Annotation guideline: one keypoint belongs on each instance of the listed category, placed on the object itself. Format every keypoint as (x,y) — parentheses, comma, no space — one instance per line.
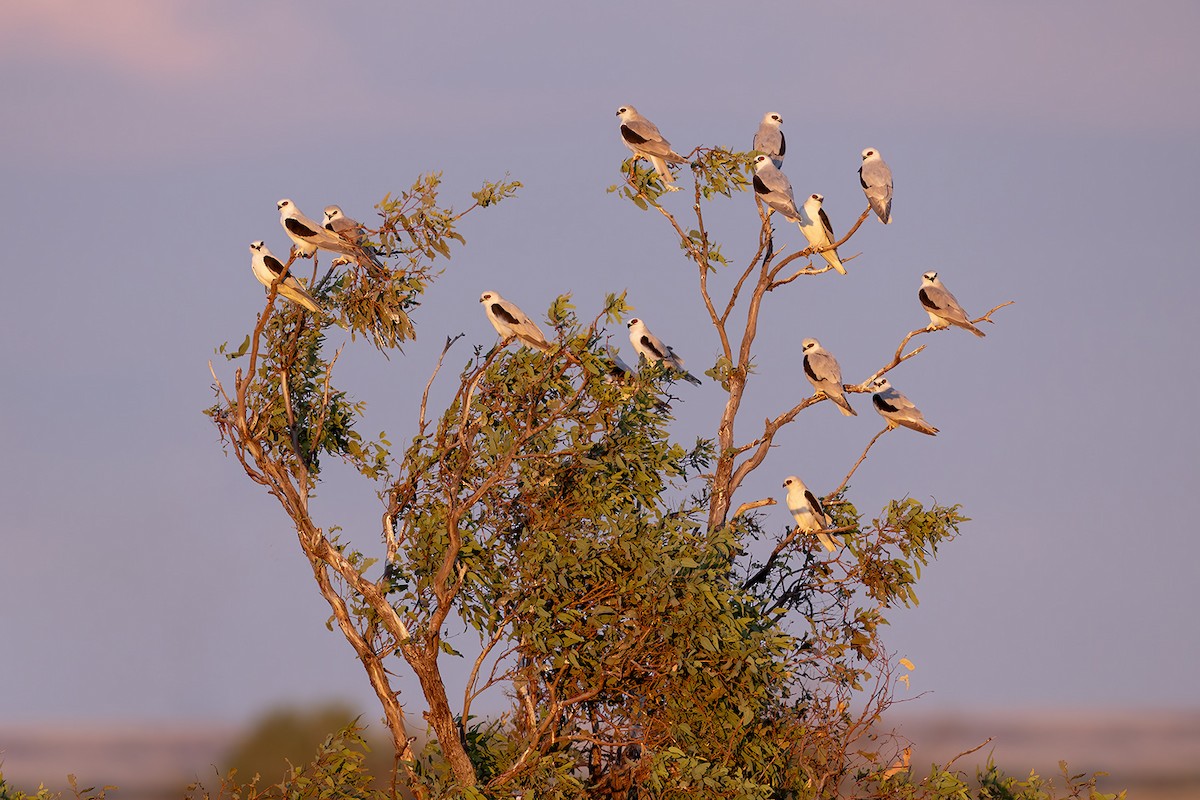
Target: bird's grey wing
(875,174)
(886,403)
(654,345)
(825,224)
(274,264)
(769,140)
(876,180)
(941,302)
(506,315)
(299,228)
(815,505)
(822,368)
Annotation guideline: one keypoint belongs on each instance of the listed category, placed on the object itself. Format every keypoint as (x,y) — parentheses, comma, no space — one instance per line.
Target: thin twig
(744,507)
(861,458)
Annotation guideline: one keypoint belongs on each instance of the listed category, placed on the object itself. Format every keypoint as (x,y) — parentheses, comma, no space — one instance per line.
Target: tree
(603,564)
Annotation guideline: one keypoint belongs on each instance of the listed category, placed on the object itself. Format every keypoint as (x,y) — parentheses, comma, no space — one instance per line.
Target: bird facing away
(653,349)
(806,510)
(896,409)
(876,179)
(267,268)
(770,140)
(824,373)
(814,224)
(618,370)
(773,188)
(942,306)
(642,137)
(309,236)
(510,321)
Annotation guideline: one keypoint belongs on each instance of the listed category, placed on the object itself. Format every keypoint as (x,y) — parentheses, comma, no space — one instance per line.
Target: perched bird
(814,224)
(350,230)
(942,306)
(773,188)
(267,268)
(806,510)
(618,370)
(876,179)
(642,137)
(652,349)
(510,321)
(824,373)
(770,140)
(310,236)
(897,409)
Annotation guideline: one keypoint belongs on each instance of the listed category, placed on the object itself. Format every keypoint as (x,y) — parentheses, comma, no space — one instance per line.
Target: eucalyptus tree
(603,564)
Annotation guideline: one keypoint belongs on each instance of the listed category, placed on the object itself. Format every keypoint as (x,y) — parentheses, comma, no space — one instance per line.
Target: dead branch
(861,458)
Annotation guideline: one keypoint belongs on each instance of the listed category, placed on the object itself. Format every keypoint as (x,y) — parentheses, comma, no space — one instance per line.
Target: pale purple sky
(1043,153)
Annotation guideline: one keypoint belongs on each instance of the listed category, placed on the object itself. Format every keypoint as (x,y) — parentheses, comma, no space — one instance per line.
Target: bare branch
(744,507)
(861,458)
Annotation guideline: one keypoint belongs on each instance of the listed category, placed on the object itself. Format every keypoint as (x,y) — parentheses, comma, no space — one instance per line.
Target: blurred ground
(1155,755)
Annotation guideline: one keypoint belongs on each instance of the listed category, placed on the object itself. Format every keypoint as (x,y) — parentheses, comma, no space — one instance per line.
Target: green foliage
(337,771)
(595,564)
(8,792)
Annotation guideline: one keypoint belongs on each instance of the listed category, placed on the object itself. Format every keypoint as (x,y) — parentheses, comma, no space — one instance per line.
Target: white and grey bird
(876,179)
(897,409)
(309,236)
(652,349)
(825,374)
(618,370)
(770,139)
(773,188)
(806,510)
(814,224)
(643,137)
(942,306)
(349,229)
(267,268)
(510,321)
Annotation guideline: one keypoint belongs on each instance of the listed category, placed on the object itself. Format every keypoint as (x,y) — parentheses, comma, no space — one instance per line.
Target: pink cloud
(144,37)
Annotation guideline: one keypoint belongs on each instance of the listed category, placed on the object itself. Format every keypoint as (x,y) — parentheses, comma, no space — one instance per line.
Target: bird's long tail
(301,297)
(974,330)
(843,405)
(826,542)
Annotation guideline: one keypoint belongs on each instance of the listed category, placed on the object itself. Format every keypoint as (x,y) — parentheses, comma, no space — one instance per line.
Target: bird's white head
(256,246)
(632,322)
(625,112)
(869,154)
(772,118)
(761,162)
(880,384)
(486,296)
(809,344)
(284,204)
(332,213)
(929,277)
(817,198)
(792,482)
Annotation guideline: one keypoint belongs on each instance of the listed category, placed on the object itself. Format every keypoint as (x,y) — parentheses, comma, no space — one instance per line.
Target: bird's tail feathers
(301,297)
(843,405)
(834,261)
(826,542)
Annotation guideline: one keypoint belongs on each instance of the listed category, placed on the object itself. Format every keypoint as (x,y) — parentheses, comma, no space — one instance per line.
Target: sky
(1043,153)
